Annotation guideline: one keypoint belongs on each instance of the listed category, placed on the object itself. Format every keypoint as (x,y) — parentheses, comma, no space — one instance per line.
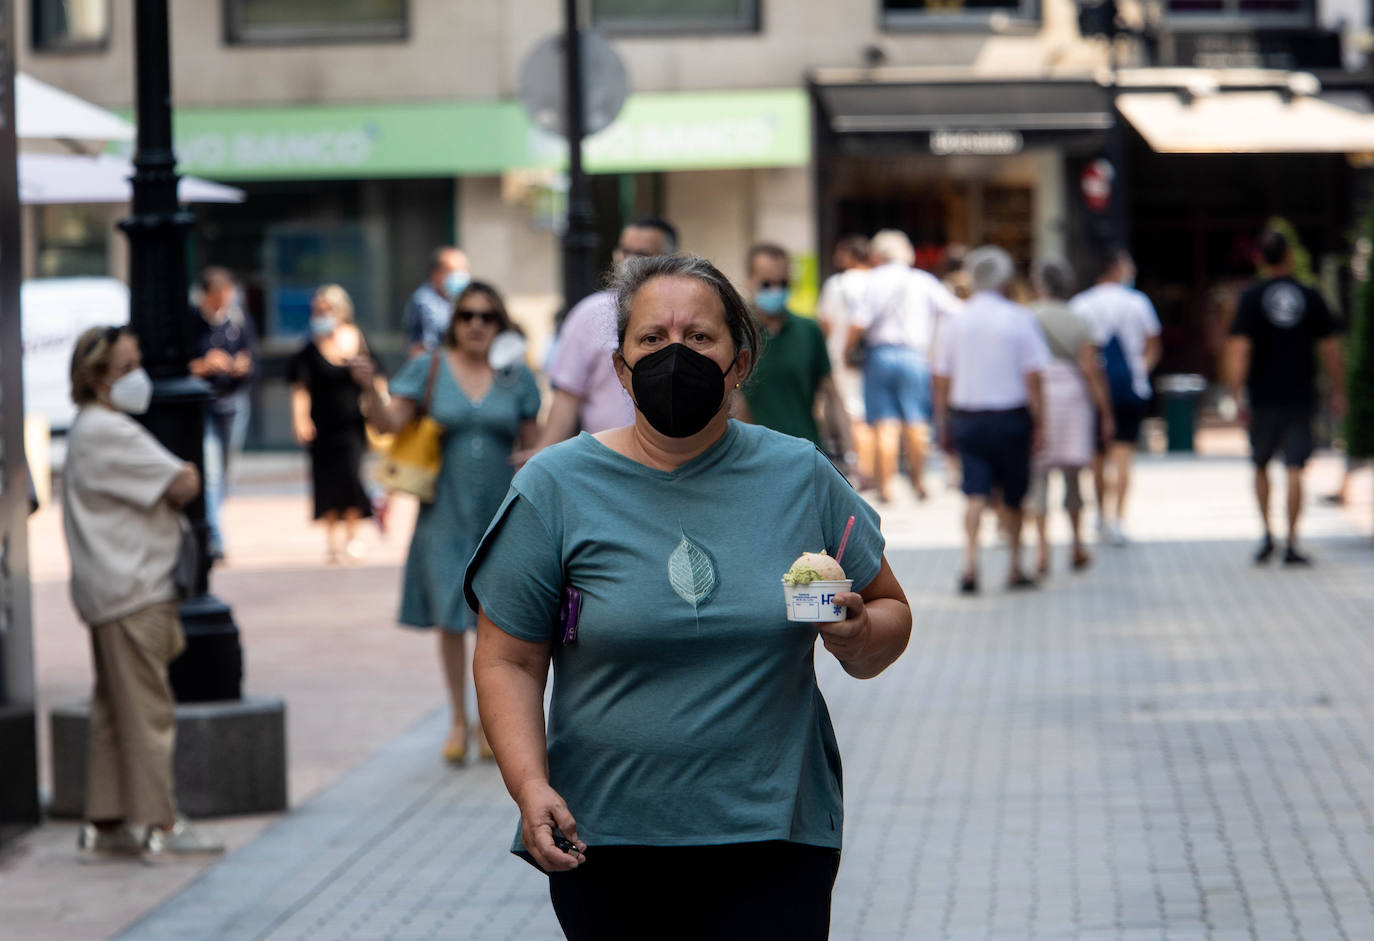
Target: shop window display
(73,241)
(669,16)
(898,14)
(288,21)
(70,25)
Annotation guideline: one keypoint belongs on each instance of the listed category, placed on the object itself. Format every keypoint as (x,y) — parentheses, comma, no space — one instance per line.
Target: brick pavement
(1174,745)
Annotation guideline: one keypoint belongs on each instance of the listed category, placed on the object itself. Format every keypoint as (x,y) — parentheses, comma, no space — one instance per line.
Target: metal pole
(212,666)
(579,241)
(18,731)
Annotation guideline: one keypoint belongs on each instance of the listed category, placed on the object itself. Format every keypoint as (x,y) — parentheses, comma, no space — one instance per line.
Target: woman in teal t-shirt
(688,784)
(486,414)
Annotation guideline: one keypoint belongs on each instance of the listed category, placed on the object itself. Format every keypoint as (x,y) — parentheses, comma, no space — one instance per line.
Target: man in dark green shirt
(793,375)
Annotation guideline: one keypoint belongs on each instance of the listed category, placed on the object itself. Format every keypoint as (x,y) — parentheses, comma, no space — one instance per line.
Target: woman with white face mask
(122,496)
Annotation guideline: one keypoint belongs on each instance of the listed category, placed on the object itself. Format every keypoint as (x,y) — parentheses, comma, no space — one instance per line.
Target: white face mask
(132,392)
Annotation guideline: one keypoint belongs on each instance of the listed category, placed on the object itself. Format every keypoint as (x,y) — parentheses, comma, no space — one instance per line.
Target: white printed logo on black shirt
(1284,304)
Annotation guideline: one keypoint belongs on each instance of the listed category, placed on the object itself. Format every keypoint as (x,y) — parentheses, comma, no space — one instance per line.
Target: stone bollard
(230,758)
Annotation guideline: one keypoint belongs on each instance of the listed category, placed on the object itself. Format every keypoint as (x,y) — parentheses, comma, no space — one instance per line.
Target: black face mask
(678,389)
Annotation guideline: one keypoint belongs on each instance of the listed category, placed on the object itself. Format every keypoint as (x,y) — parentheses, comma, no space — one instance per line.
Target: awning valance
(1251,122)
(898,104)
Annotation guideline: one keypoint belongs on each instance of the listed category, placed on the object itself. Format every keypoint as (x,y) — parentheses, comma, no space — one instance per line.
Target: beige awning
(1251,122)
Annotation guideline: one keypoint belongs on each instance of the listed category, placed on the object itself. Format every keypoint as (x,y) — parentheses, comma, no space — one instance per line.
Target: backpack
(1120,380)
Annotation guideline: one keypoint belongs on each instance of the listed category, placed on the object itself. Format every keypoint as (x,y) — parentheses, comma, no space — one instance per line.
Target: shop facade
(359,196)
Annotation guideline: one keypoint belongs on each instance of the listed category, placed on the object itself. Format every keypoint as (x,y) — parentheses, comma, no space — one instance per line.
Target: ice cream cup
(816,601)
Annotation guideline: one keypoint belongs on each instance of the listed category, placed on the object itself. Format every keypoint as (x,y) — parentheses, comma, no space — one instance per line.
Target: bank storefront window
(250,22)
(923,14)
(1233,12)
(676,16)
(70,25)
(73,241)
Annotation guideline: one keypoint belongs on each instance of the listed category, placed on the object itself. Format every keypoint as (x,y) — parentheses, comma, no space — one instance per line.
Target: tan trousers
(133,724)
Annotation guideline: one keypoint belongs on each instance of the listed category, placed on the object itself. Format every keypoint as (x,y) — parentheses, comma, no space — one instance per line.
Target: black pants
(747,891)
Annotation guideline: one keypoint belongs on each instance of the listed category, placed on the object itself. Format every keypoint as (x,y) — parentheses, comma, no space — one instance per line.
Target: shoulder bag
(412,463)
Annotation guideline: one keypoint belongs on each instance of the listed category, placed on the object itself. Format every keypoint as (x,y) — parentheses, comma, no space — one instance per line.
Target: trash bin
(1179,395)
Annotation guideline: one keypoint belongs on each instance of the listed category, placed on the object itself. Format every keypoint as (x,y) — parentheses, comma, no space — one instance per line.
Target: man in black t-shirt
(1279,329)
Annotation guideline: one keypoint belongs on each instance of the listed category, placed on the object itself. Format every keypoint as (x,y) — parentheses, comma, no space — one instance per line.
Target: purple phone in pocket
(568,612)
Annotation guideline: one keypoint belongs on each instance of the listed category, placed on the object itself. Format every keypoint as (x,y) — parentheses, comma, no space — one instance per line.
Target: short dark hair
(215,276)
(1273,247)
(660,225)
(1054,276)
(772,250)
(1108,260)
(637,272)
(498,306)
(436,257)
(855,245)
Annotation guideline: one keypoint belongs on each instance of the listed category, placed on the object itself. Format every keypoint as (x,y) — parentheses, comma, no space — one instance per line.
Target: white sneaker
(97,845)
(181,840)
(356,551)
(1116,536)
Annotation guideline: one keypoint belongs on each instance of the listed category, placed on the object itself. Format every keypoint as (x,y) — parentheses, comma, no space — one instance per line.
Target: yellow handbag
(412,463)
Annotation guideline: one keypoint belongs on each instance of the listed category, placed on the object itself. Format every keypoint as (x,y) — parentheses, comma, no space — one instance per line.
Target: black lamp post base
(19,784)
(211,667)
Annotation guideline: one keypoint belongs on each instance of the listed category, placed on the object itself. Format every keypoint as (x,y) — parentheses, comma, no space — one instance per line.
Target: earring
(737,385)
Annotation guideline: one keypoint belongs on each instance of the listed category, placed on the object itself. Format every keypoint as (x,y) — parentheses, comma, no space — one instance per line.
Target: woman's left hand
(849,639)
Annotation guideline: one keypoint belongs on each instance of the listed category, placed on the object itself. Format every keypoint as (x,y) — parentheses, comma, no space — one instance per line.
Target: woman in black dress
(327,419)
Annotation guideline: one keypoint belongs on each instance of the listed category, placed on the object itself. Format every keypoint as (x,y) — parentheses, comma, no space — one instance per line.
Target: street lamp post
(579,241)
(212,666)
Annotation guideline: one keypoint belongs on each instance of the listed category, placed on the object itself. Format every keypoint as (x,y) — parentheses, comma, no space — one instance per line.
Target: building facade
(367,132)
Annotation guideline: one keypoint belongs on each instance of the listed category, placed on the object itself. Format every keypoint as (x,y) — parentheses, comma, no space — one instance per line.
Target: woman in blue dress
(486,414)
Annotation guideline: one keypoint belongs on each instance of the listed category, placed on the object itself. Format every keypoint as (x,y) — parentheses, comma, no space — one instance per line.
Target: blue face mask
(323,326)
(771,300)
(454,282)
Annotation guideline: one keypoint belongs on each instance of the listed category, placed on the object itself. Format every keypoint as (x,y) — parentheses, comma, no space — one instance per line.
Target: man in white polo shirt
(988,402)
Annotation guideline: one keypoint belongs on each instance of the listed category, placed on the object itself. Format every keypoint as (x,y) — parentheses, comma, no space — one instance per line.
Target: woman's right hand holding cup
(542,811)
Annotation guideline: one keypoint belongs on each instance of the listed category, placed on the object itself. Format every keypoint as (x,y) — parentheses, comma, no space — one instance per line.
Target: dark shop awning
(958,114)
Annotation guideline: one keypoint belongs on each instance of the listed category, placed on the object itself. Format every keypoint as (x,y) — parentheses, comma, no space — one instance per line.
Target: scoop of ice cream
(813,567)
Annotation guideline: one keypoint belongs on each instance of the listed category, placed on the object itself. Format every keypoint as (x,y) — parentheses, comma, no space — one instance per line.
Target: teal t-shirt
(686,712)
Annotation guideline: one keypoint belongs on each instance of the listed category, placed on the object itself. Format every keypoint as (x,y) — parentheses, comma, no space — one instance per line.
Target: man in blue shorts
(988,402)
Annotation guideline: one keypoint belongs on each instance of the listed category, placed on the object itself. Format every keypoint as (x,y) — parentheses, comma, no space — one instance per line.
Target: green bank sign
(675,131)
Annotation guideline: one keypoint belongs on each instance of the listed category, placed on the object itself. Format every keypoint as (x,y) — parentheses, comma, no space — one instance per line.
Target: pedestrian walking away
(328,421)
(643,565)
(1126,328)
(893,330)
(226,358)
(586,393)
(1077,408)
(430,307)
(792,380)
(838,298)
(486,414)
(122,496)
(988,401)
(1280,328)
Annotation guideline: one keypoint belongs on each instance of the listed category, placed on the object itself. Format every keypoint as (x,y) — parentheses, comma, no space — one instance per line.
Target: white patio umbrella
(43,112)
(46,179)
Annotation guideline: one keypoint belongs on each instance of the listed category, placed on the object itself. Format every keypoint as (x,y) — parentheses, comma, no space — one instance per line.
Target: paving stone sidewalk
(1173,745)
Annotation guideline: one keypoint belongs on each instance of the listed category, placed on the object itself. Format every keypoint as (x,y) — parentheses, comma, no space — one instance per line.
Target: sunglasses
(488,317)
(769,285)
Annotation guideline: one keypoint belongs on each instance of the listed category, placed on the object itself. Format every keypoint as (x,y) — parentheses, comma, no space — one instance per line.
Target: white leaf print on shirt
(691,572)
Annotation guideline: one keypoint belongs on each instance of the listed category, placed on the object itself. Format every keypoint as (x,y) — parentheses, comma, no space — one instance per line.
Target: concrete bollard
(230,758)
